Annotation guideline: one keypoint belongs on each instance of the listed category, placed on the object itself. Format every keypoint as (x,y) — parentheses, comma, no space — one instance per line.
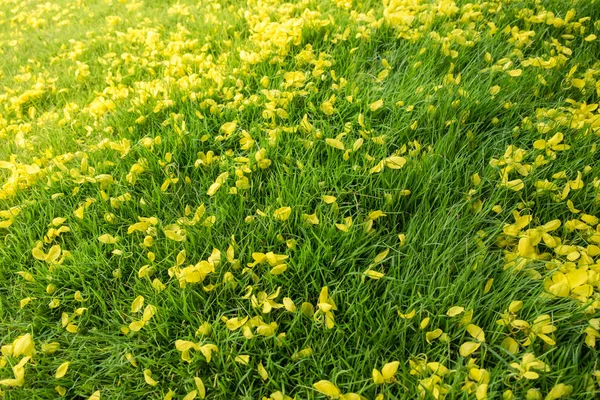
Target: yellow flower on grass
(228,128)
(573,283)
(261,159)
(558,391)
(19,374)
(311,219)
(327,106)
(129,357)
(528,366)
(494,90)
(387,373)
(175,232)
(185,347)
(22,345)
(325,308)
(243,359)
(191,395)
(149,312)
(217,184)
(282,213)
(264,375)
(345,227)
(49,257)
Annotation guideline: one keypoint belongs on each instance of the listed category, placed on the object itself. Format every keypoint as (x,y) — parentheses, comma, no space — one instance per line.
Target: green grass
(454,245)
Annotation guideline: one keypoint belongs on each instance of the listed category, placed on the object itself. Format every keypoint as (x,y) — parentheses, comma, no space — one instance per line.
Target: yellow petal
(62,370)
(476,332)
(468,348)
(328,389)
(148,378)
(282,213)
(488,285)
(375,275)
(515,306)
(137,304)
(429,336)
(510,344)
(191,395)
(558,391)
(137,325)
(38,253)
(278,270)
(381,256)
(531,375)
(50,348)
(377,377)
(23,345)
(200,386)
(454,311)
(129,357)
(395,162)
(262,372)
(577,277)
(53,254)
(107,239)
(514,72)
(376,105)
(311,219)
(408,315)
(149,312)
(335,143)
(389,370)
(559,289)
(79,212)
(173,235)
(95,395)
(329,199)
(242,359)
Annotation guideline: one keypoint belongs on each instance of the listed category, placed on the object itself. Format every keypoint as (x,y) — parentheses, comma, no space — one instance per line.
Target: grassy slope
(440,265)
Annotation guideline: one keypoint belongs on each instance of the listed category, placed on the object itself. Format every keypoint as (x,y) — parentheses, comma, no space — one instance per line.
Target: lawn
(334,199)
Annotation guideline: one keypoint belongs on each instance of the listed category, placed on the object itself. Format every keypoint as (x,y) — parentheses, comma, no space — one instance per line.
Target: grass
(94,91)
